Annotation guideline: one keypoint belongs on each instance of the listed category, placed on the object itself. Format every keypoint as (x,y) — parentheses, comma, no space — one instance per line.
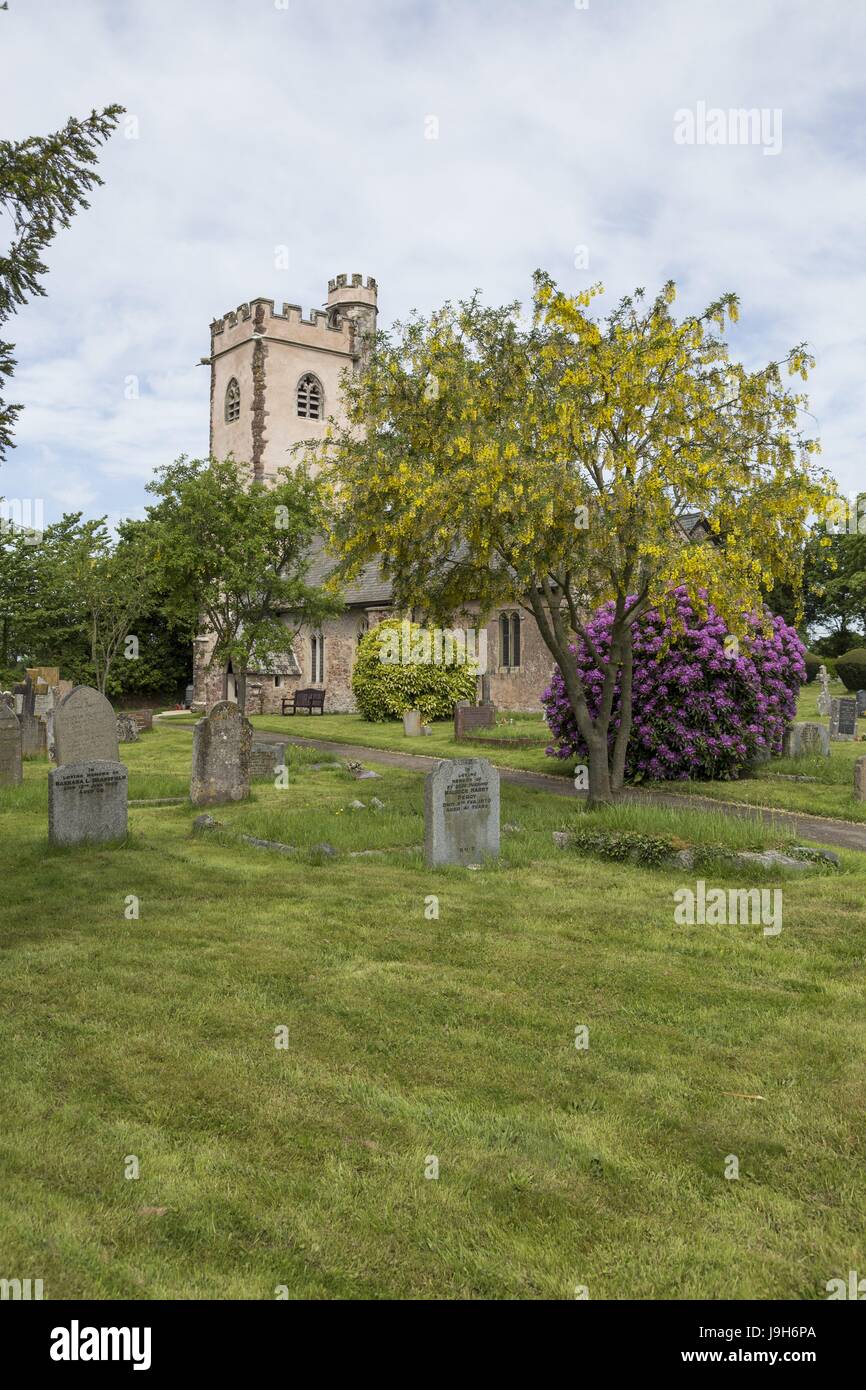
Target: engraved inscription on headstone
(10,747)
(221,747)
(461,812)
(87,803)
(843,719)
(85,728)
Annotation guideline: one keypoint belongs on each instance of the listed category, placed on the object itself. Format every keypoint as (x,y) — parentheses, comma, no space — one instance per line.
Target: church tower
(275,377)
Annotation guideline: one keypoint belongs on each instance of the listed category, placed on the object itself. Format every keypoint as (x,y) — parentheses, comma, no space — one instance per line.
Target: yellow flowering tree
(548,461)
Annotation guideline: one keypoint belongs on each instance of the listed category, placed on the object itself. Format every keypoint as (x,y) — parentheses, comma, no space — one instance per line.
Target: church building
(275,379)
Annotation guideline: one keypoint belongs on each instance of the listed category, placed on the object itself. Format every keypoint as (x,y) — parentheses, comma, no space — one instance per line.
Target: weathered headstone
(85,728)
(221,747)
(34,736)
(860,779)
(10,747)
(824,699)
(412,723)
(461,812)
(87,802)
(861,703)
(470,717)
(843,719)
(127,729)
(806,741)
(266,759)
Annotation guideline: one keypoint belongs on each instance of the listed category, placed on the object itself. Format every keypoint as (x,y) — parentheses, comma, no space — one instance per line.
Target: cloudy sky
(260,124)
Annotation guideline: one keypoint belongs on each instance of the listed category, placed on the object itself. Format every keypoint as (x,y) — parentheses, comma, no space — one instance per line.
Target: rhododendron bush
(698,710)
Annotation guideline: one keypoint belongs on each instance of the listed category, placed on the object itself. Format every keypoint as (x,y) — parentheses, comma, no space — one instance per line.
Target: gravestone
(860,779)
(266,760)
(221,747)
(10,748)
(7,698)
(85,728)
(824,700)
(87,802)
(461,812)
(43,699)
(34,736)
(469,717)
(843,719)
(806,741)
(412,723)
(127,729)
(861,703)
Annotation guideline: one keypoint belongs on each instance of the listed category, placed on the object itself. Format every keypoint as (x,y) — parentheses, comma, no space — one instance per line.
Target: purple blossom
(696,712)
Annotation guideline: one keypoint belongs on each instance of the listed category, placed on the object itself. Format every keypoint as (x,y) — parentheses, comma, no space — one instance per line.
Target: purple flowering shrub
(696,713)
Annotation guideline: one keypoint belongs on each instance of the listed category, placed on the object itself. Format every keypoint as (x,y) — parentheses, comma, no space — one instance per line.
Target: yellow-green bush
(385,689)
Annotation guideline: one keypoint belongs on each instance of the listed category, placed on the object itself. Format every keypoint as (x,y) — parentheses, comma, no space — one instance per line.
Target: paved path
(842,834)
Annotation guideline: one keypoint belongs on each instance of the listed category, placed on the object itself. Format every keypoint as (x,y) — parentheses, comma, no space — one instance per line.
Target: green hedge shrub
(386,689)
(851,669)
(813,666)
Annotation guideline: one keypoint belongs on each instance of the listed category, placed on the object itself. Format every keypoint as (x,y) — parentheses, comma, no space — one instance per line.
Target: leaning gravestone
(806,741)
(10,747)
(85,728)
(266,760)
(860,779)
(461,812)
(221,747)
(843,719)
(87,803)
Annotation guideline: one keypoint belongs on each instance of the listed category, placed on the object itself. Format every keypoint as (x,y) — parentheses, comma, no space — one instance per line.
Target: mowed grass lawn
(829,792)
(411,1037)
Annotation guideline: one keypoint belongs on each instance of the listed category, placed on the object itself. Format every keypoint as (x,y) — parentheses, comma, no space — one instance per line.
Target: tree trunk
(600,789)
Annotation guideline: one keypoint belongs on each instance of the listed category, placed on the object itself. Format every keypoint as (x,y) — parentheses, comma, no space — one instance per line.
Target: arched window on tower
(233,401)
(311,398)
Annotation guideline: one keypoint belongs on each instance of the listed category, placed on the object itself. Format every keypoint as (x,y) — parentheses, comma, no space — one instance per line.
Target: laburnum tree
(232,556)
(549,462)
(44,181)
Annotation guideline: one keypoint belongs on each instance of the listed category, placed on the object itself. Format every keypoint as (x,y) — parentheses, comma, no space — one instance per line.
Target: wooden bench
(307,700)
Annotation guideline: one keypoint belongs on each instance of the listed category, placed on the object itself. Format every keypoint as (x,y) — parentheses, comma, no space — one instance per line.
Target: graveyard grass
(829,792)
(410,1037)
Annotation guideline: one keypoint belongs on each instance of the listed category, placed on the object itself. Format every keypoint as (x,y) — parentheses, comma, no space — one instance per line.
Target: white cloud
(260,127)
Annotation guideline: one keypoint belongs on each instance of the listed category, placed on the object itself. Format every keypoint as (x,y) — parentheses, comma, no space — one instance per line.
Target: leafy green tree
(233,555)
(44,181)
(548,464)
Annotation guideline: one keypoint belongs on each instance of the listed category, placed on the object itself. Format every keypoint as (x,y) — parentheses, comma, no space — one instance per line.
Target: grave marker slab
(461,812)
(85,728)
(221,748)
(861,703)
(10,747)
(860,779)
(469,717)
(127,729)
(34,736)
(806,741)
(87,803)
(843,719)
(265,760)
